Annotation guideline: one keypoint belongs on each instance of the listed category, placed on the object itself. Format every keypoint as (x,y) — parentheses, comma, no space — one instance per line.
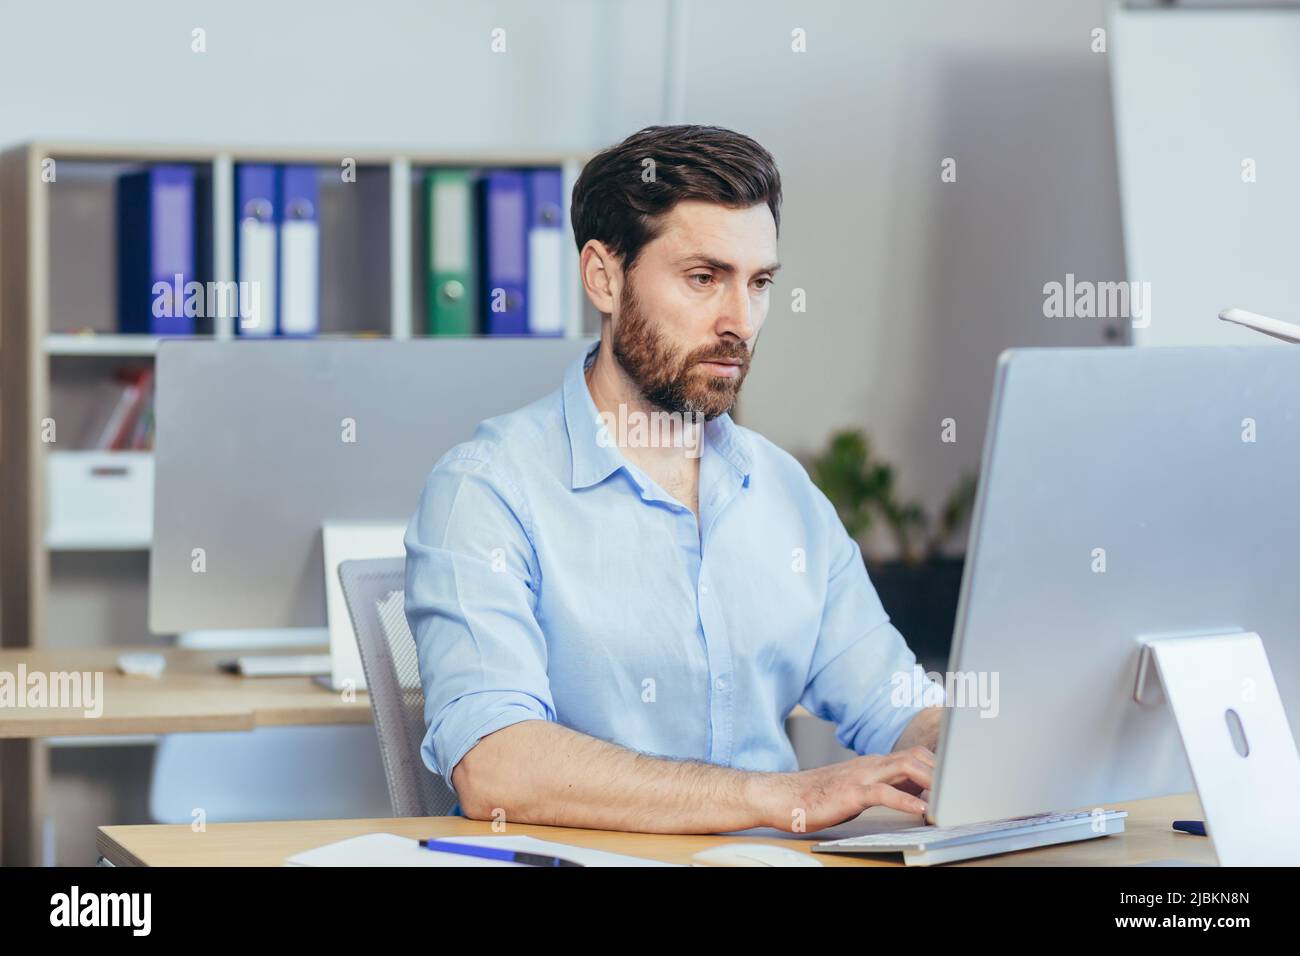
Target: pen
(1195,827)
(492,853)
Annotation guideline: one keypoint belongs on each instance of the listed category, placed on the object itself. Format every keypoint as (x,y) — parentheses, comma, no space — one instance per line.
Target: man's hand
(813,799)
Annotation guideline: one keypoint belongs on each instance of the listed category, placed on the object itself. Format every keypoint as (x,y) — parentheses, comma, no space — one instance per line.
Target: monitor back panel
(258,443)
(1124,493)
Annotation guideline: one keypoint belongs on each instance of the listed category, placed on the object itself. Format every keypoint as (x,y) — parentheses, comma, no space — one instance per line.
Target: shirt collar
(594,460)
(730,442)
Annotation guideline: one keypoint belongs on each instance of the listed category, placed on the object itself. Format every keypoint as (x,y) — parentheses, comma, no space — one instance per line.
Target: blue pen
(492,853)
(1194,827)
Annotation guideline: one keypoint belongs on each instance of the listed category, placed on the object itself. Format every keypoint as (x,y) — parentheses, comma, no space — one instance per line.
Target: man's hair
(619,202)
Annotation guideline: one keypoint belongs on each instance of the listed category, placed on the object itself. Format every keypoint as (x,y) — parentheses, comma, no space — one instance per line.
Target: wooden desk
(1147,837)
(191,696)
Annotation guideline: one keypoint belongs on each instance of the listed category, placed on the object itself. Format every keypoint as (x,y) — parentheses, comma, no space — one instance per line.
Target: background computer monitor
(251,457)
(1177,467)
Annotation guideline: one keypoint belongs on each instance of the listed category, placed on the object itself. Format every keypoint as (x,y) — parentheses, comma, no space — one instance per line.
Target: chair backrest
(374,589)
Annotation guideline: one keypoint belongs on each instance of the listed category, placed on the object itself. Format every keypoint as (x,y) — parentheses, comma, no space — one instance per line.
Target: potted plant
(918,584)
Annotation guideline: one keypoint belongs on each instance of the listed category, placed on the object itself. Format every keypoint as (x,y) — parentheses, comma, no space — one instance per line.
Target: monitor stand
(1238,743)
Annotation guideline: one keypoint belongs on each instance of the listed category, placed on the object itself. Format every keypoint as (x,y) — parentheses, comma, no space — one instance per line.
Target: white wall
(380,73)
(1196,93)
(913,285)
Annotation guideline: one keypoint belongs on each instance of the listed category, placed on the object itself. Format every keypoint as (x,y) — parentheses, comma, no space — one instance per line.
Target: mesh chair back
(374,589)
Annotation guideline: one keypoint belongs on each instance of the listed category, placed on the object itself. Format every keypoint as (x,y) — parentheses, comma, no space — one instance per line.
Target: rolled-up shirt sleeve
(471,603)
(863,678)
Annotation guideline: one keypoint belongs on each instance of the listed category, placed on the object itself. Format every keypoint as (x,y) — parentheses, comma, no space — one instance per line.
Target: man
(617,593)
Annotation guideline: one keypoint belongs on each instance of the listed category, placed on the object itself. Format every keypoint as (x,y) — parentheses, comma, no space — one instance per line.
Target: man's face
(691,309)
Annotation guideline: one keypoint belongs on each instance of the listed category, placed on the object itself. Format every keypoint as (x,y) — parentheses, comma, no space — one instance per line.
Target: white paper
(388,849)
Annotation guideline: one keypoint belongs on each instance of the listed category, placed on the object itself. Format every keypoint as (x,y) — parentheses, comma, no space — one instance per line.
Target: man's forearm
(922,730)
(541,772)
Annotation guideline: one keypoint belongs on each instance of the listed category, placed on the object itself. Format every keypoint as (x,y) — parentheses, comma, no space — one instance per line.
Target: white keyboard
(925,845)
(279,665)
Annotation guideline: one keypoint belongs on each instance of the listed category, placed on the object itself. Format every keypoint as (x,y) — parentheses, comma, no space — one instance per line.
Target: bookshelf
(69,585)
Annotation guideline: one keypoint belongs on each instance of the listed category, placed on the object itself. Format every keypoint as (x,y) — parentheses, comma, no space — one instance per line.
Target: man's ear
(602,275)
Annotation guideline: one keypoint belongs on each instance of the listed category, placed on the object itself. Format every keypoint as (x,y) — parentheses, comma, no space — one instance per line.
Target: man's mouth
(726,367)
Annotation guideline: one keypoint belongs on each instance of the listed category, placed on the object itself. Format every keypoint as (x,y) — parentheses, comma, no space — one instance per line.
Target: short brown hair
(614,203)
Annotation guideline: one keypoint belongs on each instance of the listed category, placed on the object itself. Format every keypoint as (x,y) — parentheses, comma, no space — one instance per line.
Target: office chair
(375,592)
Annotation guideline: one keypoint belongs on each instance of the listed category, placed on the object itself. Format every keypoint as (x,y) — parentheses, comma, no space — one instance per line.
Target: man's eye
(763,284)
(703,275)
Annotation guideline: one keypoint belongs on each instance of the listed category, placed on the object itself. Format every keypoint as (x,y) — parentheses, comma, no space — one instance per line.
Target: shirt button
(704,589)
(720,684)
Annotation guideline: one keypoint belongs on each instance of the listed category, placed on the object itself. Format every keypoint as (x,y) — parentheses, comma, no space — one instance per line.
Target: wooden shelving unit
(44,352)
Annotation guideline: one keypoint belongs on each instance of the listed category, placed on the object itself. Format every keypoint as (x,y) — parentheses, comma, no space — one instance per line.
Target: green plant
(861,488)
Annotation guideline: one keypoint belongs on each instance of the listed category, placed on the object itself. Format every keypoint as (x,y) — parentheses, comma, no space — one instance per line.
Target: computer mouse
(142,664)
(753,854)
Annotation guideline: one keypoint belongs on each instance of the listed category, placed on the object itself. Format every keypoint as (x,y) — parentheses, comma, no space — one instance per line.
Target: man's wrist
(769,797)
(922,730)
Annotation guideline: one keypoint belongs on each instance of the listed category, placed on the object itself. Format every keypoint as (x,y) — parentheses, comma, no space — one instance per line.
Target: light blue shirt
(550,578)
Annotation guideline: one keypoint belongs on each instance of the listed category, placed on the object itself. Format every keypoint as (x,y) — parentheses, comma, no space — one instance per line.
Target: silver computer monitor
(1125,494)
(252,457)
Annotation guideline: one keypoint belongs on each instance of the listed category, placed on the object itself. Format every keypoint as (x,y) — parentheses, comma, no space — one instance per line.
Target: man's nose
(735,316)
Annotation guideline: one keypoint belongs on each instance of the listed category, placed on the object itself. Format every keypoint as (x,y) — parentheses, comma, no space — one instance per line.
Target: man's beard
(667,379)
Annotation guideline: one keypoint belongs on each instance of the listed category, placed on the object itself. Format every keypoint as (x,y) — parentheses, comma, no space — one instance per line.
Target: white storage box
(99,500)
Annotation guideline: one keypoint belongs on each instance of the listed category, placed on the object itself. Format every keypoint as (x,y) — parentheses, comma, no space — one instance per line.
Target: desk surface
(1147,837)
(192,695)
